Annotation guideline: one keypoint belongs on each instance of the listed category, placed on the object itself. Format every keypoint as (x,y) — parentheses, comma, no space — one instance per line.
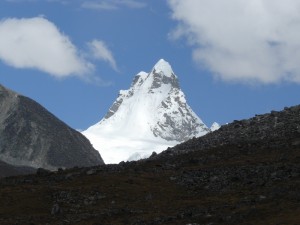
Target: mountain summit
(151,115)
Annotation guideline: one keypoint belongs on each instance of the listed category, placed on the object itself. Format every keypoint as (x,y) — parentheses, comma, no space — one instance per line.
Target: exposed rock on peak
(163,74)
(163,67)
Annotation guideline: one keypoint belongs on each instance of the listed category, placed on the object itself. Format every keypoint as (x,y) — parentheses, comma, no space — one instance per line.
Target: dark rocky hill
(272,130)
(32,136)
(9,170)
(246,173)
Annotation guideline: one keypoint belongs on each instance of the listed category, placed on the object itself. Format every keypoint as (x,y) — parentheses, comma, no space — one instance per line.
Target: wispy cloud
(17,1)
(95,4)
(247,41)
(64,2)
(113,4)
(99,5)
(59,1)
(100,51)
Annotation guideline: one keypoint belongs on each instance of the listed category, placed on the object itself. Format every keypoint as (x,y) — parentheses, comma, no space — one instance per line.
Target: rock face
(32,136)
(151,115)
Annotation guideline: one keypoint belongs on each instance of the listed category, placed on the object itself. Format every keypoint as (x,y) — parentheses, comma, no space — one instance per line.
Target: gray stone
(91,172)
(32,136)
(56,209)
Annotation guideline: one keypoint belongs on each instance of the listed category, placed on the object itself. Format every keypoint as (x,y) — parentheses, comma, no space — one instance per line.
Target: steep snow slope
(151,115)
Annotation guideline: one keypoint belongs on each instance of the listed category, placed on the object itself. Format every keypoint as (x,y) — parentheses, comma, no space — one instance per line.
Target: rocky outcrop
(277,129)
(32,136)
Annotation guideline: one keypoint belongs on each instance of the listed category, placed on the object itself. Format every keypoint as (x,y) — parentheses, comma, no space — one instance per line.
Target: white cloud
(37,43)
(242,40)
(100,51)
(113,4)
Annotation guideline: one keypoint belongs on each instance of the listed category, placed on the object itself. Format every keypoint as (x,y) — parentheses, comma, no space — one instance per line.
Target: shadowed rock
(32,136)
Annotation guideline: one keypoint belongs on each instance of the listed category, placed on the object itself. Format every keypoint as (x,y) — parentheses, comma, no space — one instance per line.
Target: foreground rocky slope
(278,129)
(32,136)
(250,179)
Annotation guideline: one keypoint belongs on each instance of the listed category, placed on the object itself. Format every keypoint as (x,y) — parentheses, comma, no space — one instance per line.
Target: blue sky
(234,59)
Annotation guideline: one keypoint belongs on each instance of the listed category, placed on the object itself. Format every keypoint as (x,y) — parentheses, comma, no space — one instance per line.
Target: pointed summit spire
(164,67)
(162,73)
(151,115)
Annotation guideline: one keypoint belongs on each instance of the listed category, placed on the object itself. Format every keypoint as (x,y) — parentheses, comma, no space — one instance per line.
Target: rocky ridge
(278,129)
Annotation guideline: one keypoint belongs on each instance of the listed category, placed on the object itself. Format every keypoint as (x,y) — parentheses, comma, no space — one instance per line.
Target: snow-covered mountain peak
(151,115)
(164,68)
(161,77)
